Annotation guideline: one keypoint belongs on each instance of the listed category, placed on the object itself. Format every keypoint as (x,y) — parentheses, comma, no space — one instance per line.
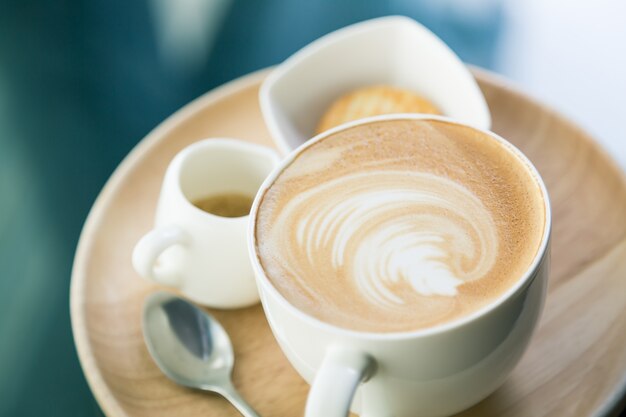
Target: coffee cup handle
(151,246)
(336,382)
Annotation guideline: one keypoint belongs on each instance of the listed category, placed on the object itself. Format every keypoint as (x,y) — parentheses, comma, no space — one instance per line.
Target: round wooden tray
(576,364)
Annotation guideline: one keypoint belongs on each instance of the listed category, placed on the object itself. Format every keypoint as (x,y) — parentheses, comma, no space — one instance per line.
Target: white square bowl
(392,50)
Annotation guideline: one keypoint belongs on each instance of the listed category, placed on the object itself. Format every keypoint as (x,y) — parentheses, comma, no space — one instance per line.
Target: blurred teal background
(81,82)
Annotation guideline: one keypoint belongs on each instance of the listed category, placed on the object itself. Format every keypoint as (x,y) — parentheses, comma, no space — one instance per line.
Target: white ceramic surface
(201,254)
(432,372)
(391,50)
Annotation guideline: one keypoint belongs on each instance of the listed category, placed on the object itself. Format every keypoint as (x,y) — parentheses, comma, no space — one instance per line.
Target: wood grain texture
(575,366)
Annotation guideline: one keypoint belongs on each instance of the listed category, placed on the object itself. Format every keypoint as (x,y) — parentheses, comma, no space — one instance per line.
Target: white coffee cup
(202,254)
(431,372)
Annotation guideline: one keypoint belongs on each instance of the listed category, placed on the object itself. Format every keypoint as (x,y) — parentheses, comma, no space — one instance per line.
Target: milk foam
(379,229)
(388,226)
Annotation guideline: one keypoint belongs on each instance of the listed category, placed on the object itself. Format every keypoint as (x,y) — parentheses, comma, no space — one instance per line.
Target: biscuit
(373,101)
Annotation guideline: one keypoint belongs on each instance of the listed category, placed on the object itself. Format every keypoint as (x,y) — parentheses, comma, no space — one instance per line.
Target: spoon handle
(230,393)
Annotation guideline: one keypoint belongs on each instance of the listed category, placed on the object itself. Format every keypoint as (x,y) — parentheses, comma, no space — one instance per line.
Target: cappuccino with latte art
(399,225)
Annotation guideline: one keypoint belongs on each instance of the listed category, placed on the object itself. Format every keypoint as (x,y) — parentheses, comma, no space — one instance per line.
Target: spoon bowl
(190,347)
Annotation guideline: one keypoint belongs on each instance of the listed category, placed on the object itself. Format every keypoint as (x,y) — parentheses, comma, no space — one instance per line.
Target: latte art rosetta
(399,225)
(385,227)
